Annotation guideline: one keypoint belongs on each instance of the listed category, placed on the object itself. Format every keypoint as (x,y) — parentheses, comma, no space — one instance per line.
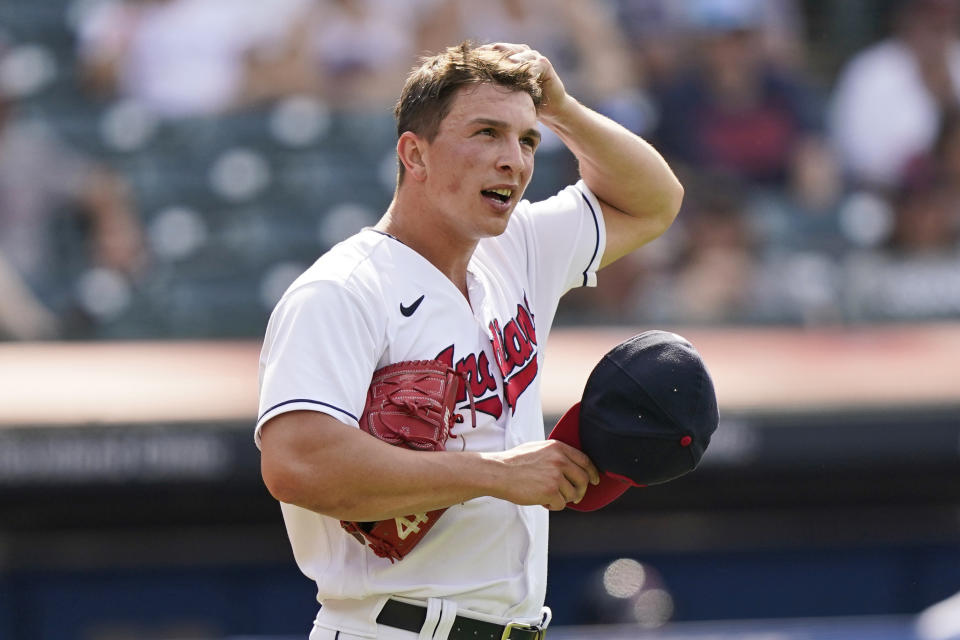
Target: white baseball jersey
(372,301)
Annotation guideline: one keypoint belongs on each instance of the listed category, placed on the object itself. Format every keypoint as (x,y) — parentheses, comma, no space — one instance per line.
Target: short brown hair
(430,88)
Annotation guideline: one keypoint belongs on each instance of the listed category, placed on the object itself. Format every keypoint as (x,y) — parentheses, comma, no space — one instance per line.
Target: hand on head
(554,93)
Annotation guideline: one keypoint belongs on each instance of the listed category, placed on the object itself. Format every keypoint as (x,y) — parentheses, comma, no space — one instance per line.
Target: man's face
(481,159)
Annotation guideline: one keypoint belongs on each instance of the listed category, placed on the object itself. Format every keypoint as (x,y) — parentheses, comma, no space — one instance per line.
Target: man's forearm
(313,461)
(621,168)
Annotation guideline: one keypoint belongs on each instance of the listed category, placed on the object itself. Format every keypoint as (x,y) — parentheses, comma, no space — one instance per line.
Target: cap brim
(599,495)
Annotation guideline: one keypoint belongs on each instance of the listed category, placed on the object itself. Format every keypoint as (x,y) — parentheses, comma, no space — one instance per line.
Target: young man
(459,270)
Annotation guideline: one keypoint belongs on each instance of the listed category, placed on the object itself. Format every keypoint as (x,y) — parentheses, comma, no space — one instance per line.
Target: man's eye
(530,142)
(487,132)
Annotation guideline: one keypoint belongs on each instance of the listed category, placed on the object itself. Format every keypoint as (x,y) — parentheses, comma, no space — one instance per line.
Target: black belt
(410,617)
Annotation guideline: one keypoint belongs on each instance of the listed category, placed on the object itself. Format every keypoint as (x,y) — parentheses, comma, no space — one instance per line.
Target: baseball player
(459,271)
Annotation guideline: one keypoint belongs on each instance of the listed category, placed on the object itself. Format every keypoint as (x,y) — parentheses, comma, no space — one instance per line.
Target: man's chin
(498,225)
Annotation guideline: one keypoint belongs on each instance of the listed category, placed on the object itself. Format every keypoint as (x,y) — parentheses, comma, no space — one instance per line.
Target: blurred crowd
(168,166)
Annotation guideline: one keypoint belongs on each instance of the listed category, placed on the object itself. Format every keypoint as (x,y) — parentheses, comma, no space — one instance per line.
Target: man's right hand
(546,472)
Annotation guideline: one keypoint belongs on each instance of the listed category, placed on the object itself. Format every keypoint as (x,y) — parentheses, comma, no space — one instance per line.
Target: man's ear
(410,150)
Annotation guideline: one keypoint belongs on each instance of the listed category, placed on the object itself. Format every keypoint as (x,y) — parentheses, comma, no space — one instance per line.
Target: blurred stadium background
(168,166)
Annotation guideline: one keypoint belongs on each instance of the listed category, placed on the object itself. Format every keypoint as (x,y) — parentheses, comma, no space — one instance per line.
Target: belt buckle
(545,616)
(510,626)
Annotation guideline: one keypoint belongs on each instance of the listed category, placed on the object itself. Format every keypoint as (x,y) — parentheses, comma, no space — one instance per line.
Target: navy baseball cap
(646,415)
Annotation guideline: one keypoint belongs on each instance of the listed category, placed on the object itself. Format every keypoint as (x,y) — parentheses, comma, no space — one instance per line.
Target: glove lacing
(421,407)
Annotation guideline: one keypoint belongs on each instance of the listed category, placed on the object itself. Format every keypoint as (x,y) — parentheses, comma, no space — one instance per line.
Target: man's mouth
(502,195)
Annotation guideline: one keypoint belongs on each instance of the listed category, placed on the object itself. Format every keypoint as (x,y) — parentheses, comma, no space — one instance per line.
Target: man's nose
(511,158)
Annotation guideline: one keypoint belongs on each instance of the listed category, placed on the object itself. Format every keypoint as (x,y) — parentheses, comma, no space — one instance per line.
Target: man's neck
(414,224)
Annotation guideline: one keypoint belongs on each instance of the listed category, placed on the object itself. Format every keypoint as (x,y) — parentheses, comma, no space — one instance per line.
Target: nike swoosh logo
(408,311)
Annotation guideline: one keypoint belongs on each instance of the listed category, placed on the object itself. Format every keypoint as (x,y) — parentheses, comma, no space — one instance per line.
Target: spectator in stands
(941,162)
(890,98)
(183,58)
(40,178)
(927,219)
(927,222)
(713,272)
(927,211)
(733,110)
(917,274)
(714,278)
(657,38)
(805,216)
(659,34)
(22,315)
(354,54)
(742,111)
(581,38)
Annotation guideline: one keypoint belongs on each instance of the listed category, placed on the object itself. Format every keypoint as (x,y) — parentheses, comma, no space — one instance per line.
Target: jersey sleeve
(565,240)
(321,347)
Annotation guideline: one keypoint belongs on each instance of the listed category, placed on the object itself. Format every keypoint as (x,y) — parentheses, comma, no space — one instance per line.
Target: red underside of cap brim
(597,496)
